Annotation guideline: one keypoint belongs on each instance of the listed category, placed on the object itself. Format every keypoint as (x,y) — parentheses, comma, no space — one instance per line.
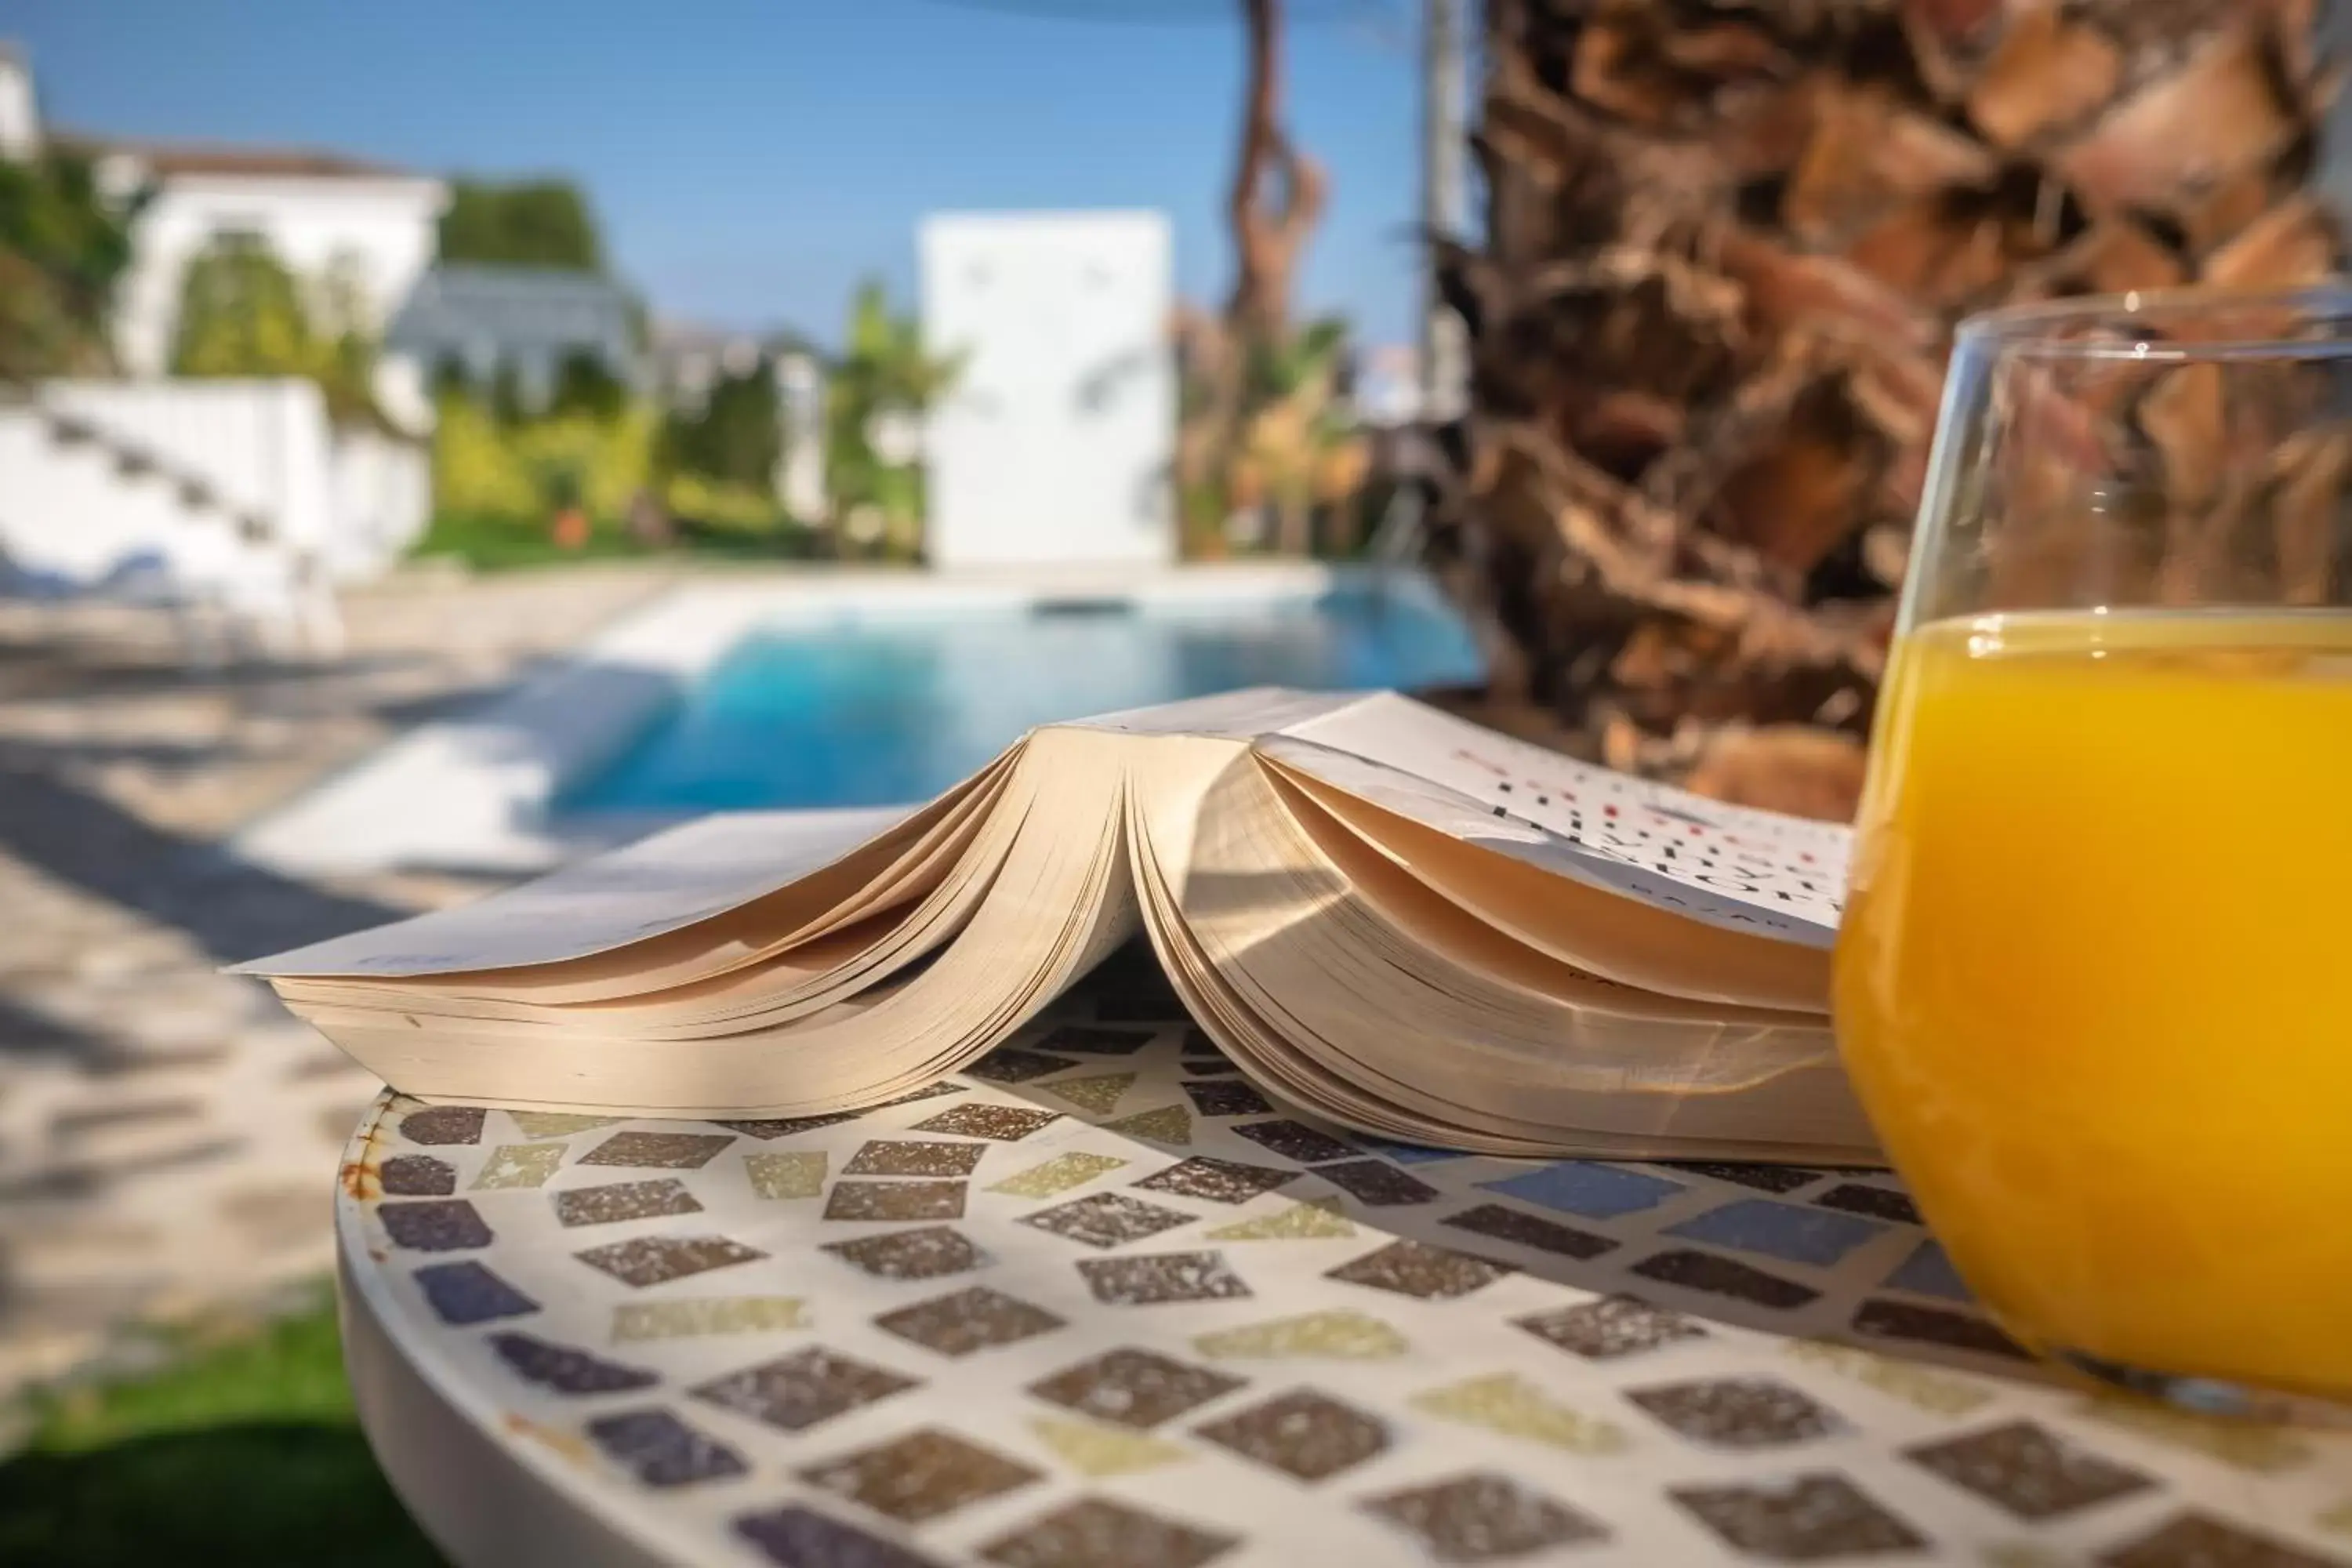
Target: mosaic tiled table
(1100,1303)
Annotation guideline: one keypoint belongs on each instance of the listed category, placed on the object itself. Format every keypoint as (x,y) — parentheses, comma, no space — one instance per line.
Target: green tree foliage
(583,384)
(242,313)
(63,247)
(884,378)
(534,223)
(735,438)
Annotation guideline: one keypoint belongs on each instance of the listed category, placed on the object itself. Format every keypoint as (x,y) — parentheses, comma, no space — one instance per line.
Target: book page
(1730,866)
(674,879)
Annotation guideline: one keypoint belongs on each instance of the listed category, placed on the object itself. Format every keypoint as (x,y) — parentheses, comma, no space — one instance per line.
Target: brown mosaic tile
(923,1254)
(661,1450)
(1217,1181)
(797,1537)
(970,1319)
(1087,1039)
(1736,1412)
(2198,1541)
(1506,1224)
(624,1200)
(922,1476)
(1297,1140)
(663,1150)
(1237,1098)
(418,1176)
(1160,1277)
(1377,1183)
(1610,1327)
(1197,1043)
(444,1124)
(908,1157)
(772,1127)
(1483,1518)
(1134,1387)
(1418,1269)
(797,1391)
(1764,1178)
(1302,1434)
(2030,1472)
(446,1224)
(1095,1532)
(1722,1277)
(1011,1064)
(1005,1124)
(564,1370)
(1208,1066)
(1805,1519)
(1107,1219)
(1934,1326)
(898,1201)
(653,1259)
(1878,1203)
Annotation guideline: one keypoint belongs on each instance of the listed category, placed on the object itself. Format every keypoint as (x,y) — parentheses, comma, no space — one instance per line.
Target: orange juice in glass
(2093,980)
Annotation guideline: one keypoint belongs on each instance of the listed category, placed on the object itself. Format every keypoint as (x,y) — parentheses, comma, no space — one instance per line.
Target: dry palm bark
(1725,247)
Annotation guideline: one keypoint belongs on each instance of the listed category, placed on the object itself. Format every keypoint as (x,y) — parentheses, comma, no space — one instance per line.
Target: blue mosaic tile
(1819,1236)
(1582,1187)
(461,1293)
(1404,1153)
(1928,1272)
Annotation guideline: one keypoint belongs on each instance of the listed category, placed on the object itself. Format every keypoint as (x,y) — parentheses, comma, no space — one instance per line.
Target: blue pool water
(869,710)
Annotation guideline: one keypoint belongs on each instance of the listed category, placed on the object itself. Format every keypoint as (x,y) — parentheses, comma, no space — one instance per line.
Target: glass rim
(2036,328)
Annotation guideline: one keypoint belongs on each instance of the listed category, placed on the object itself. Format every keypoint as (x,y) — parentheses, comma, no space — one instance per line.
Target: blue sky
(750,159)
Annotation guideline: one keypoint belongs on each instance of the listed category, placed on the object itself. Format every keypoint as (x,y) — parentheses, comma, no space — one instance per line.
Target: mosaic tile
(1723,1277)
(1107,1219)
(1160,1278)
(537,1124)
(797,1537)
(663,1150)
(1482,1517)
(448,1224)
(1611,1327)
(770,1127)
(1095,1532)
(1510,1405)
(1582,1187)
(1236,1098)
(1506,1223)
(1921,1387)
(1377,1183)
(1764,1178)
(1786,1231)
(970,1320)
(1099,1094)
(1736,1412)
(1314,1219)
(1335,1335)
(895,1201)
(520,1165)
(1406,1154)
(624,1200)
(775,1173)
(444,1124)
(1169,1124)
(1216,1181)
(1878,1203)
(1096,1451)
(1805,1519)
(2198,1541)
(1197,1042)
(907,1157)
(922,1476)
(1297,1140)
(1932,1326)
(1134,1387)
(661,1450)
(1005,1124)
(469,1292)
(2258,1450)
(923,1254)
(798,1390)
(1418,1269)
(1209,1066)
(1303,1434)
(564,1370)
(1058,1174)
(1927,1272)
(1087,1040)
(1011,1064)
(656,1259)
(417,1176)
(695,1317)
(2027,1470)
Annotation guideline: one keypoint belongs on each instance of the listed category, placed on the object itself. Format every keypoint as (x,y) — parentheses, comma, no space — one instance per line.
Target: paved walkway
(167,1133)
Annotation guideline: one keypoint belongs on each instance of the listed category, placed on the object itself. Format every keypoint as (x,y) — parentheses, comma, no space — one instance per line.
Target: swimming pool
(887,701)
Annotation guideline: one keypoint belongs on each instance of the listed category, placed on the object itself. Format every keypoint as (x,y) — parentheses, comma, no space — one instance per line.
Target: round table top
(1100,1301)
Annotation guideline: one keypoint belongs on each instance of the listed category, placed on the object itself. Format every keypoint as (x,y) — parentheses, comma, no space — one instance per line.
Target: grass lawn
(491,543)
(246,1451)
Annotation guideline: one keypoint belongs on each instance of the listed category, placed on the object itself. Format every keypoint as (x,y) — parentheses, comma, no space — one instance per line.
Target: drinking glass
(2093,982)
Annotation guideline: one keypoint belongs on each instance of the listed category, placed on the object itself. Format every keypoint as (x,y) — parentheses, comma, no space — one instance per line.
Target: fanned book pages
(1395,920)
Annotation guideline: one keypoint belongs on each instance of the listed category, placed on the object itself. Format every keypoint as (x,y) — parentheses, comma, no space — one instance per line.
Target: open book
(1400,921)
